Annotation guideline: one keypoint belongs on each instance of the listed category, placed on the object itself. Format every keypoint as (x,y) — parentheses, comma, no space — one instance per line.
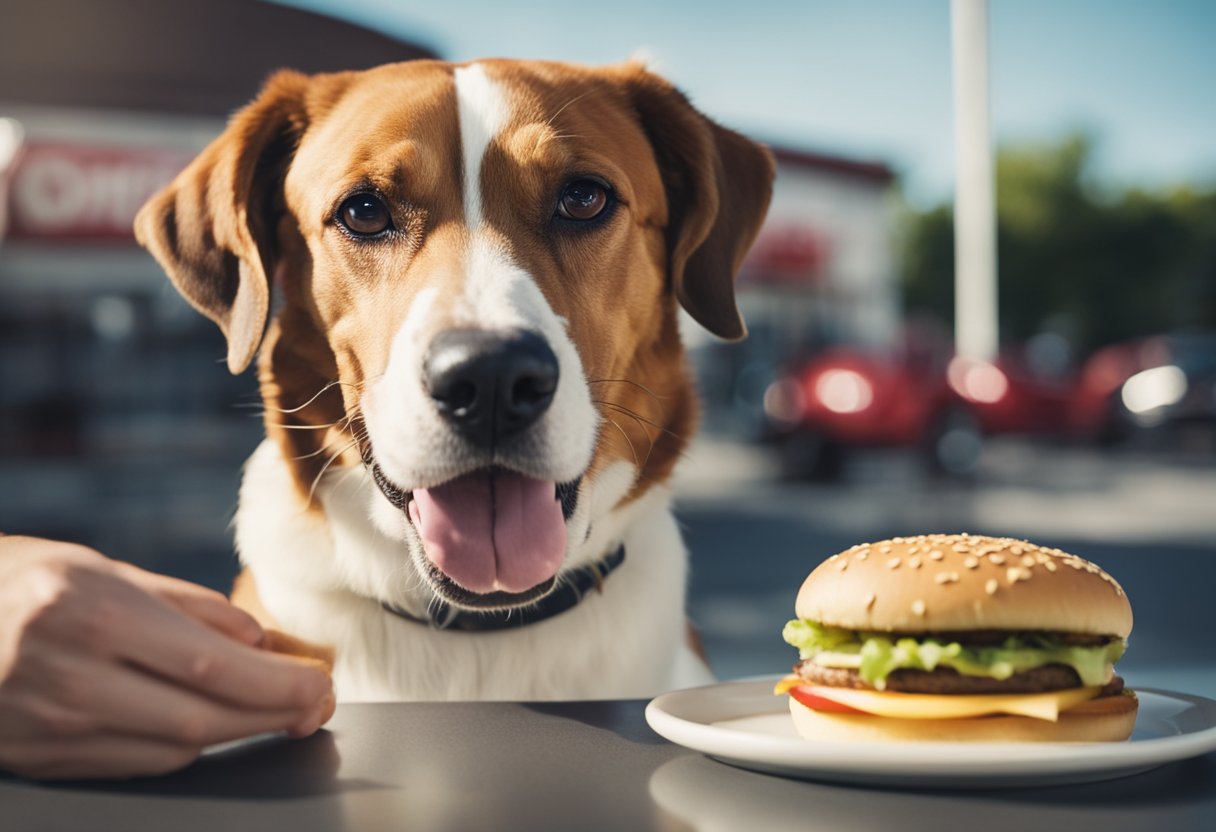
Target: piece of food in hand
(959,638)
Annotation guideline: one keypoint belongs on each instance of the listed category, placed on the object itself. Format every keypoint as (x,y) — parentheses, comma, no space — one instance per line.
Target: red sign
(73,194)
(787,253)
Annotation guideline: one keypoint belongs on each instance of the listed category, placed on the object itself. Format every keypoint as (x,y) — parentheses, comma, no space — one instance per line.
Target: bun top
(957,582)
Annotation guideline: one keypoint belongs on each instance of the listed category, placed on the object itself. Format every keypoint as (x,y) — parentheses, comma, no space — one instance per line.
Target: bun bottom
(1109,719)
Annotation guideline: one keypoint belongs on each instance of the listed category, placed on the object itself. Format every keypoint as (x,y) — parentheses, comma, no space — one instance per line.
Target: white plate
(743,724)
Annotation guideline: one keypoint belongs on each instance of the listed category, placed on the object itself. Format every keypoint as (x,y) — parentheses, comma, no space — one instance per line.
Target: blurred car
(1148,384)
(849,398)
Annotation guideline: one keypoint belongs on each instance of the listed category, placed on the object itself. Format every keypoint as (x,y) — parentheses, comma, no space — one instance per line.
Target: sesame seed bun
(1108,719)
(961,582)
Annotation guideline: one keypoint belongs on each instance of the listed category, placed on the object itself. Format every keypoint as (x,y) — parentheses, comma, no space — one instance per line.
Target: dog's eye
(365,215)
(583,199)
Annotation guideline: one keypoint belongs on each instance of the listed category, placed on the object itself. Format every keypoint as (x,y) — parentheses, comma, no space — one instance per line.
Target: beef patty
(948,680)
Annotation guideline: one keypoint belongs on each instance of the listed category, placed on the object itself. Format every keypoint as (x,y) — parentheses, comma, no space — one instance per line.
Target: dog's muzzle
(491,536)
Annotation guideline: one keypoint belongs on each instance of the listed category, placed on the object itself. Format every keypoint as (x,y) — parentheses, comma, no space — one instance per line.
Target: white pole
(975,301)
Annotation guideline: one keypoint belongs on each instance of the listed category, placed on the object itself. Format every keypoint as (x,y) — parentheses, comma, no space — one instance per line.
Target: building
(119,427)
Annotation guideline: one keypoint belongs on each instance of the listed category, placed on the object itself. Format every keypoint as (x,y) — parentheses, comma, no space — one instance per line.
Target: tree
(1100,267)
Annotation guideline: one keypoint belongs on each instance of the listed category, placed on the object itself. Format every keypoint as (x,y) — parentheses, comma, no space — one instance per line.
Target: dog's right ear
(213,228)
(718,185)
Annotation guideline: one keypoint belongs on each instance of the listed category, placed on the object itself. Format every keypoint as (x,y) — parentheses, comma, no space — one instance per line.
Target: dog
(462,284)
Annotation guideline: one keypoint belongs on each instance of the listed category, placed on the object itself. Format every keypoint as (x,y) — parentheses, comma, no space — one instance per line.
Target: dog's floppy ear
(718,187)
(213,228)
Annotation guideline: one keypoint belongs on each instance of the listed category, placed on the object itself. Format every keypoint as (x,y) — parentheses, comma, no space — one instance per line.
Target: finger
(205,605)
(175,646)
(125,700)
(104,755)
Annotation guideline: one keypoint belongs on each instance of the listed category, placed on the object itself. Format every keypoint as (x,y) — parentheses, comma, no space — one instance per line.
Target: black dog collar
(574,587)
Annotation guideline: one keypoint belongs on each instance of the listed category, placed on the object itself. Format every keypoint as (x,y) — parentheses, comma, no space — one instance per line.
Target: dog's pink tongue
(492,532)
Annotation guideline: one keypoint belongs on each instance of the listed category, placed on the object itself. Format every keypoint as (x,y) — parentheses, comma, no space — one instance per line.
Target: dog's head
(479,268)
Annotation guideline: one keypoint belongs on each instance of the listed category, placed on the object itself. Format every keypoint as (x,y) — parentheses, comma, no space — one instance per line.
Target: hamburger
(959,637)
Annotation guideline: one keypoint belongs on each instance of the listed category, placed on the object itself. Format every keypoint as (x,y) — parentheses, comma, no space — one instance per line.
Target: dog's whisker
(327,446)
(315,396)
(556,137)
(641,423)
(346,478)
(641,387)
(562,108)
(637,417)
(335,425)
(628,441)
(317,479)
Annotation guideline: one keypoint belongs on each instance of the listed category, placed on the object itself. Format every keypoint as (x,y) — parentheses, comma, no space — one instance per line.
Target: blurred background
(844,417)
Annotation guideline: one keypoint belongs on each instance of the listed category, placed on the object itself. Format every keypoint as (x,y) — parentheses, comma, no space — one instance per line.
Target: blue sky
(871,78)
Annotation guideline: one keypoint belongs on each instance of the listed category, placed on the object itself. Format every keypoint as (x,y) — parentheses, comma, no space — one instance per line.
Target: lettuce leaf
(881,654)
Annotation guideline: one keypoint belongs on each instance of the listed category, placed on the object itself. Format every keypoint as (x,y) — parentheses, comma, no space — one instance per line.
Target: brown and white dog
(474,382)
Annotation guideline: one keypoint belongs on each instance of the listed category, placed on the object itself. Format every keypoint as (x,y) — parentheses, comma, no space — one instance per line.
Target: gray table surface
(581,766)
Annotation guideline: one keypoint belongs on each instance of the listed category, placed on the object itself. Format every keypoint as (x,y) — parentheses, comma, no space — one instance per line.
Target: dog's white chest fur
(323,577)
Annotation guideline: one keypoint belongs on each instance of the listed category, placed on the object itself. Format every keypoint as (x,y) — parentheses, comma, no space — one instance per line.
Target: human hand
(107,670)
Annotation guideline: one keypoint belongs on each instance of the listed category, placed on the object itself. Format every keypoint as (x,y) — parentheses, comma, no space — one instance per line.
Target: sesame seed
(961,548)
(1027,560)
(843,565)
(886,550)
(1015,550)
(1017,573)
(945,577)
(862,555)
(869,600)
(991,586)
(914,562)
(971,562)
(936,554)
(918,607)
(913,550)
(1091,569)
(893,563)
(997,559)
(1075,564)
(1051,566)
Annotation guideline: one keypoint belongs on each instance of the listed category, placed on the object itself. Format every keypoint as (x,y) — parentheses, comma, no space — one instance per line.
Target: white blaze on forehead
(482,111)
(414,443)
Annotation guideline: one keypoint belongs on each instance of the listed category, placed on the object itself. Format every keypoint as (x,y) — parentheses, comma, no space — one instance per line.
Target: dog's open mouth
(492,537)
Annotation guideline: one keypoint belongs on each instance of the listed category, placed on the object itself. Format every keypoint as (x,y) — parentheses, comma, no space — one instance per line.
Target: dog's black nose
(490,383)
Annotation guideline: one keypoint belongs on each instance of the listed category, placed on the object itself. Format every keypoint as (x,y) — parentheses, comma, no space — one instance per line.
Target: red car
(1147,384)
(850,398)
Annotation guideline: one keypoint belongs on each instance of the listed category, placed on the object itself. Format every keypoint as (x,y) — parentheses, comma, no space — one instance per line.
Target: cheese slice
(787,682)
(1047,706)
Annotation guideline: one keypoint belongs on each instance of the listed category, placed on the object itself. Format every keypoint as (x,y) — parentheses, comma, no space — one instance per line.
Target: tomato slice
(818,703)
